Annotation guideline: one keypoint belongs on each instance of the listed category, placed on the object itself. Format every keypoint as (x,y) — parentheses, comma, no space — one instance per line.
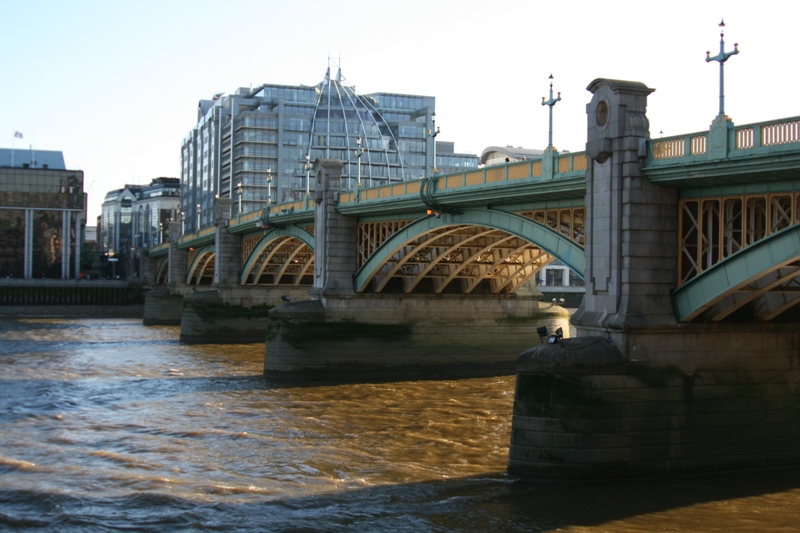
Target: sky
(115,84)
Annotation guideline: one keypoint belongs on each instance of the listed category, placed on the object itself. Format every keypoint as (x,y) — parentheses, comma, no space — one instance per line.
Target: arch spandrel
(756,273)
(202,265)
(281,252)
(410,252)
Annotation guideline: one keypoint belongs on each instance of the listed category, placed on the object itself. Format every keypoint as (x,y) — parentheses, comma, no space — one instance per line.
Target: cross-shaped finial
(551,102)
(722,57)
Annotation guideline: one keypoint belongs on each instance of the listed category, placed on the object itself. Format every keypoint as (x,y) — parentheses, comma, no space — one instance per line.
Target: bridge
(687,353)
(489,230)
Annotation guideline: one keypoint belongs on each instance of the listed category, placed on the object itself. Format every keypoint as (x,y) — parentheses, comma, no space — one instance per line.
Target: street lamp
(308,174)
(722,57)
(183,223)
(433,133)
(358,152)
(160,232)
(269,186)
(239,188)
(551,102)
(199,210)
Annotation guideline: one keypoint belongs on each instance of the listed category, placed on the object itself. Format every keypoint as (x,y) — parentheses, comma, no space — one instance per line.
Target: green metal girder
(205,250)
(769,164)
(524,191)
(741,268)
(548,240)
(198,241)
(162,266)
(272,234)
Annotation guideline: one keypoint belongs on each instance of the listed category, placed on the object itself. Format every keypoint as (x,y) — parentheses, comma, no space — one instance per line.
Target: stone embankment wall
(681,401)
(70,292)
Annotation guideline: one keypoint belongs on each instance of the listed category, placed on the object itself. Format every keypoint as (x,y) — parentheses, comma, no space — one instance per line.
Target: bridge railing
(563,164)
(768,134)
(273,211)
(158,250)
(197,236)
(746,137)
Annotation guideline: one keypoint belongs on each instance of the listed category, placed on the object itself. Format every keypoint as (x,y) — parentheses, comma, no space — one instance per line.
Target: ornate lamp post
(721,58)
(358,152)
(269,186)
(551,102)
(240,189)
(433,132)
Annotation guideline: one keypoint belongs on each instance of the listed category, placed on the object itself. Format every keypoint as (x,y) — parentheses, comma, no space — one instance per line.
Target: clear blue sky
(115,84)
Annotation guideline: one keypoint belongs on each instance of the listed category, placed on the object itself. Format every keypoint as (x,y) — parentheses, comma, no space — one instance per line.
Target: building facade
(257,145)
(134,218)
(42,215)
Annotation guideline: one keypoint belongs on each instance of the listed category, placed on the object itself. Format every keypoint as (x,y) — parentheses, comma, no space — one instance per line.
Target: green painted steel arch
(708,288)
(272,234)
(201,253)
(548,240)
(161,271)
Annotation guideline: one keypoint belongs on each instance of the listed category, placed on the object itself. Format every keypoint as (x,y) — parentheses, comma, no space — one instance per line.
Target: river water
(108,425)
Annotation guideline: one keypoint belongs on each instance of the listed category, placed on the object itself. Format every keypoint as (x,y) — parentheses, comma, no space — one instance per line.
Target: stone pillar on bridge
(631,229)
(178,260)
(147,270)
(335,235)
(227,247)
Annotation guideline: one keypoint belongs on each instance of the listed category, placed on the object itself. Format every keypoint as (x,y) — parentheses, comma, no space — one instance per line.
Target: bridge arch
(161,271)
(201,267)
(474,246)
(284,256)
(766,273)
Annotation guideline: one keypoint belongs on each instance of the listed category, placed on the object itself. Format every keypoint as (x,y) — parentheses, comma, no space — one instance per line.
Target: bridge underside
(761,282)
(475,252)
(460,259)
(284,260)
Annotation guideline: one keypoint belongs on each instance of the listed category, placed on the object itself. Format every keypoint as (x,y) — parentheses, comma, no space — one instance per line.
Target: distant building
(42,215)
(255,146)
(499,155)
(133,218)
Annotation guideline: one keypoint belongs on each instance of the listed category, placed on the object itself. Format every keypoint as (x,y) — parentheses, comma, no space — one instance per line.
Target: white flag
(17,134)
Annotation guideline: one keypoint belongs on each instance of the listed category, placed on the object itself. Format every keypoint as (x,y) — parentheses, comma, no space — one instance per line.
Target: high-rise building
(257,145)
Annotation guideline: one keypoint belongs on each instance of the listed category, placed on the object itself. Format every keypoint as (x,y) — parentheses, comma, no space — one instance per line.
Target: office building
(134,218)
(257,145)
(42,215)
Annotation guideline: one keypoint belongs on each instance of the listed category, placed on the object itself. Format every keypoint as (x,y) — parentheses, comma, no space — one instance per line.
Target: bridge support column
(147,272)
(335,235)
(164,306)
(227,247)
(178,260)
(631,229)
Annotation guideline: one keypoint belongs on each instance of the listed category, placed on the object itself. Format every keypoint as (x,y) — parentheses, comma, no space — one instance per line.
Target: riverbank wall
(70,292)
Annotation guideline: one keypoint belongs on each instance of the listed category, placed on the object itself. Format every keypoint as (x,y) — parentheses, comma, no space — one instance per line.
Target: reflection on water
(109,424)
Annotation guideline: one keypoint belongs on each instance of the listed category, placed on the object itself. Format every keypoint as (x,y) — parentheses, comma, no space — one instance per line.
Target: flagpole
(16,134)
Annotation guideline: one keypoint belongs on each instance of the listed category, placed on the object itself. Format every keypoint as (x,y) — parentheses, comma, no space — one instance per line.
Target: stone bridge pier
(224,312)
(637,393)
(342,335)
